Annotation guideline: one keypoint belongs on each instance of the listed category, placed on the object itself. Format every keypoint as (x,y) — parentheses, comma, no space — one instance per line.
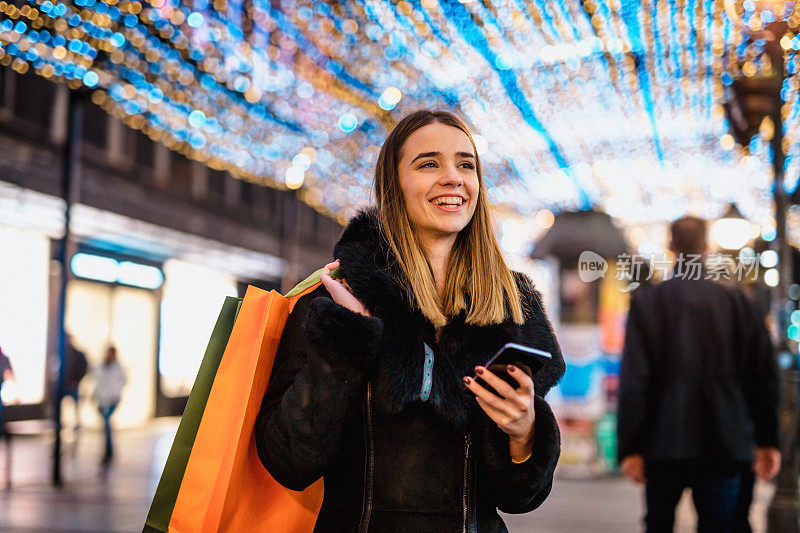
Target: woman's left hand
(512,410)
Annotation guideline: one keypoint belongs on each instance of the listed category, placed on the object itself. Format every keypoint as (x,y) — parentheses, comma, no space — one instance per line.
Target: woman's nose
(451,176)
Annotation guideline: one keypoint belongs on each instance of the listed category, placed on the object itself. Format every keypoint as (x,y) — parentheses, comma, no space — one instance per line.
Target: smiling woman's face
(439,180)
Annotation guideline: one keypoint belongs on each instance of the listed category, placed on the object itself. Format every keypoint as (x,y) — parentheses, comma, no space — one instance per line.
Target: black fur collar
(366,263)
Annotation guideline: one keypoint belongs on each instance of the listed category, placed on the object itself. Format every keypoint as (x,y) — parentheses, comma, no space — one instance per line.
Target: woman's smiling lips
(449,203)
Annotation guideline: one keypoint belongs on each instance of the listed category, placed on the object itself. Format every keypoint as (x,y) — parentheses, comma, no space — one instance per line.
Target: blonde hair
(478,280)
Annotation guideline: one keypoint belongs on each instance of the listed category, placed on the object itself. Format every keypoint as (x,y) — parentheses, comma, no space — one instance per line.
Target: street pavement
(116,498)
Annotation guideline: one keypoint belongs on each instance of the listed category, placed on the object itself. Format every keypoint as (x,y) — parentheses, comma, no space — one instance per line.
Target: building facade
(158,241)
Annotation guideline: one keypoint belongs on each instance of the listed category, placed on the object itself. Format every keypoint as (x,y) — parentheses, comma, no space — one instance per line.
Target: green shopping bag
(167,490)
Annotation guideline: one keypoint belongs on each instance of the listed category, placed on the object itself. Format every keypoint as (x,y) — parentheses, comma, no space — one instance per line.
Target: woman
(109,380)
(367,387)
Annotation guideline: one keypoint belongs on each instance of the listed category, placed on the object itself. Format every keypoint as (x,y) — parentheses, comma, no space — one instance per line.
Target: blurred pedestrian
(109,380)
(699,390)
(6,374)
(75,369)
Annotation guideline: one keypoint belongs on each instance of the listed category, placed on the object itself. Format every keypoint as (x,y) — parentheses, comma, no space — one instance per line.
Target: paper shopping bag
(167,491)
(225,487)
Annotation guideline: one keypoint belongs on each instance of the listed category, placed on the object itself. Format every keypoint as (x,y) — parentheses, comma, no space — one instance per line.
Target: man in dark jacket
(699,390)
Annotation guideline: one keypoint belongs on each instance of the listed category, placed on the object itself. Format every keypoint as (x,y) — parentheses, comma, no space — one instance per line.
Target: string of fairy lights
(612,104)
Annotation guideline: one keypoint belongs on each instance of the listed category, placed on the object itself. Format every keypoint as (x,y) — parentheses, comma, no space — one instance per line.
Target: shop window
(246,193)
(216,183)
(95,125)
(192,297)
(33,99)
(180,174)
(145,149)
(24,297)
(4,87)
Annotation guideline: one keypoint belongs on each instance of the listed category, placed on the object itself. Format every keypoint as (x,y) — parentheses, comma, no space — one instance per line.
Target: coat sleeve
(762,379)
(324,356)
(634,383)
(519,488)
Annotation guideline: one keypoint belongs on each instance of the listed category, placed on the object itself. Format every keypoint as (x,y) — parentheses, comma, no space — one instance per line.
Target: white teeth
(448,200)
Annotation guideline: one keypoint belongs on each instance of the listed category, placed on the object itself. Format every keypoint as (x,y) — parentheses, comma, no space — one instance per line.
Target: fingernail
(479,370)
(467,381)
(511,368)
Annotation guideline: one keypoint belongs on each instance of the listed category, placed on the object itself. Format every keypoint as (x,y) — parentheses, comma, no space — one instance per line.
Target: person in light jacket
(109,380)
(368,385)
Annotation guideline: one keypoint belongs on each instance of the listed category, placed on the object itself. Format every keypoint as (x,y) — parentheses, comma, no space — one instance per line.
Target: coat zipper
(369,463)
(465,491)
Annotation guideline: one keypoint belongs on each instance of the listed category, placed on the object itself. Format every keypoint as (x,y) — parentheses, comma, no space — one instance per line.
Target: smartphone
(516,354)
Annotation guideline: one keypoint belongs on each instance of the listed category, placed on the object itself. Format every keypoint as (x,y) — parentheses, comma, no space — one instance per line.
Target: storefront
(151,292)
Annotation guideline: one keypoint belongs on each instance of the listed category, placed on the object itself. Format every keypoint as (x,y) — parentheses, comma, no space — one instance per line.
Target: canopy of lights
(606,104)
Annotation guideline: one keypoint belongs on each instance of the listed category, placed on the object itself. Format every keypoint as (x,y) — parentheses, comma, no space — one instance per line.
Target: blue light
(116,92)
(109,270)
(384,104)
(502,63)
(117,39)
(767,16)
(391,53)
(305,13)
(197,118)
(769,234)
(90,79)
(195,19)
(197,140)
(94,267)
(138,275)
(20,27)
(347,122)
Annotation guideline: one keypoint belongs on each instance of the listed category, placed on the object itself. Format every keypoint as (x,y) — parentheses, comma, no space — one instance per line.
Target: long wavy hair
(477,280)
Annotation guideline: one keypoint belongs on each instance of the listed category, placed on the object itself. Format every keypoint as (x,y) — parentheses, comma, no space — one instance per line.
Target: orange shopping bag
(225,486)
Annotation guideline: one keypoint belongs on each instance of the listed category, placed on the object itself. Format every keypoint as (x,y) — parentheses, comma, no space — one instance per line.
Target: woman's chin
(450,229)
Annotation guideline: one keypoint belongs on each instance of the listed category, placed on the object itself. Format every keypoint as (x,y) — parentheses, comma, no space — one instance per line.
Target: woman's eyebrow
(436,154)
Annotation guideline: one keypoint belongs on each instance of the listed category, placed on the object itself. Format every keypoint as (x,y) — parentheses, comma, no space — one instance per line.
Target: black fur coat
(344,403)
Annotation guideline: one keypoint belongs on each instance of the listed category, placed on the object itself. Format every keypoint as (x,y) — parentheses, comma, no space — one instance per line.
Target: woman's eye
(468,165)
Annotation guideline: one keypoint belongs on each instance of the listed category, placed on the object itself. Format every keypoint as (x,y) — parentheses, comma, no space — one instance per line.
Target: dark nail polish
(479,370)
(511,368)
(467,380)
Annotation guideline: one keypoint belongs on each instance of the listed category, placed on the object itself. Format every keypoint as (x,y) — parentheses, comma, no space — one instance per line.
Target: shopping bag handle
(313,279)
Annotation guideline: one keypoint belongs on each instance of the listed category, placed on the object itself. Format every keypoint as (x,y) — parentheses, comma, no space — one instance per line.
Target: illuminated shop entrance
(99,315)
(115,302)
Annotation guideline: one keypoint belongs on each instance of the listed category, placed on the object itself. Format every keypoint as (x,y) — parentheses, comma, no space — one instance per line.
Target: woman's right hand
(340,291)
